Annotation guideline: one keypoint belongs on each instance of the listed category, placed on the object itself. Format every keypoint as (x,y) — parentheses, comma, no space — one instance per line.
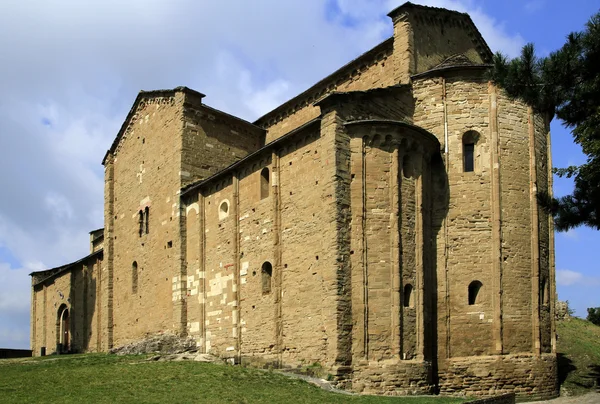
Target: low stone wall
(393,378)
(6,353)
(526,375)
(502,399)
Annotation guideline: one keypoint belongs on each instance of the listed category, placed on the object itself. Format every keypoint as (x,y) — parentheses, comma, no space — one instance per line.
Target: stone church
(383,224)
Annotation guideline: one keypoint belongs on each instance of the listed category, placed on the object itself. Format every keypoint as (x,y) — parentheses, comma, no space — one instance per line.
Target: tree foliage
(565,84)
(593,315)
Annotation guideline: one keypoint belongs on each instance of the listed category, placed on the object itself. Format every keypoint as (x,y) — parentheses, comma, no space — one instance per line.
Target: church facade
(382,224)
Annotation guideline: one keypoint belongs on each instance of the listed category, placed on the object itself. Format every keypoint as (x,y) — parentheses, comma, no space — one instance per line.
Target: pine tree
(593,315)
(566,84)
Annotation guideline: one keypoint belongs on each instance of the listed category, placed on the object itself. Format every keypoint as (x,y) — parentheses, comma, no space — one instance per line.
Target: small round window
(224,209)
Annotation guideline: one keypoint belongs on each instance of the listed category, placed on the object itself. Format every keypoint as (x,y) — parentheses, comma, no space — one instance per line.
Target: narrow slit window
(469,140)
(267,275)
(134,277)
(264,183)
(408,296)
(474,289)
(147,220)
(141,223)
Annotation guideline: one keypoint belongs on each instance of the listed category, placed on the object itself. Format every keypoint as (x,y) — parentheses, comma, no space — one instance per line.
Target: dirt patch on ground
(589,398)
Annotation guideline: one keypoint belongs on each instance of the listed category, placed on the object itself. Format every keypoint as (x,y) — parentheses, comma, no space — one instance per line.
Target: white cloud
(14,307)
(58,206)
(567,277)
(534,5)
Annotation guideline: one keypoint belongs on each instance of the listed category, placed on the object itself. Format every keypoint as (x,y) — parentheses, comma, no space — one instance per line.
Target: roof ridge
(374,51)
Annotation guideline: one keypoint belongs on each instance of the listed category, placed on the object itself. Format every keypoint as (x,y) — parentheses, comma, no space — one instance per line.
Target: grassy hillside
(578,355)
(111,379)
(120,379)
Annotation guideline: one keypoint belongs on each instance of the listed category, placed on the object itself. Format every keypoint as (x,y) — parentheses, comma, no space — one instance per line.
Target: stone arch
(62,329)
(376,140)
(388,142)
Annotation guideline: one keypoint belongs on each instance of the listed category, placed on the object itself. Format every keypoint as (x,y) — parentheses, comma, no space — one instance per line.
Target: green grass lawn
(99,378)
(578,356)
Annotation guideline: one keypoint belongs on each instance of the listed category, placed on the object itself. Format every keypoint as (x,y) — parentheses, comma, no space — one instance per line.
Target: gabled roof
(142,95)
(374,92)
(275,143)
(167,93)
(318,89)
(482,47)
(454,62)
(42,276)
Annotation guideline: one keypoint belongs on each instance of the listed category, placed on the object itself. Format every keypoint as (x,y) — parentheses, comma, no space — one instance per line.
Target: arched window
(264,183)
(134,277)
(267,274)
(224,209)
(408,296)
(141,223)
(468,144)
(147,220)
(474,288)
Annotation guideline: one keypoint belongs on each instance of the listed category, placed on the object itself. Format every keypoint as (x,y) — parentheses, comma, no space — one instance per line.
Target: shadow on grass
(592,378)
(565,367)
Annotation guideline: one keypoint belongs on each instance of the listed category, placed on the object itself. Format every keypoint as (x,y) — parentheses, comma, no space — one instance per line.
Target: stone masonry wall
(147,167)
(76,289)
(49,299)
(273,323)
(436,38)
(516,225)
(213,140)
(469,219)
(257,246)
(389,246)
(541,131)
(524,374)
(309,258)
(465,238)
(220,298)
(392,378)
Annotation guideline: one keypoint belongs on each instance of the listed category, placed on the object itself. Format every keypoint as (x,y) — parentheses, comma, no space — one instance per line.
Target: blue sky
(71,70)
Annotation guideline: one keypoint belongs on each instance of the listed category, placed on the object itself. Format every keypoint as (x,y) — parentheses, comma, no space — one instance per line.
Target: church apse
(393,275)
